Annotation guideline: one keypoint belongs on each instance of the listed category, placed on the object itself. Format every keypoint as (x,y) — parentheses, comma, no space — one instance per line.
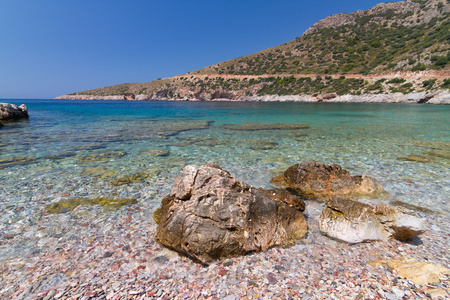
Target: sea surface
(70,149)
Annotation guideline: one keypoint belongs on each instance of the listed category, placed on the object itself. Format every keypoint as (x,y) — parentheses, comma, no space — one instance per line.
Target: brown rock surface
(210,215)
(320,181)
(278,195)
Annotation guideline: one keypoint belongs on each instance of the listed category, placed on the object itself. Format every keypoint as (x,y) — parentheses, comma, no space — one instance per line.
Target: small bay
(83,148)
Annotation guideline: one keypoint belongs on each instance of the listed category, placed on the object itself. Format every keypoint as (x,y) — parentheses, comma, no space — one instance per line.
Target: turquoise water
(78,148)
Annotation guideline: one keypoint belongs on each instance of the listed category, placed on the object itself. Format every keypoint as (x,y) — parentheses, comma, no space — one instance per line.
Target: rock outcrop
(129,96)
(210,215)
(355,222)
(378,11)
(319,181)
(10,112)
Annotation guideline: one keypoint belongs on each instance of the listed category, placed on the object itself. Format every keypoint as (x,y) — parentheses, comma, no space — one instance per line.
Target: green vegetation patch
(67,205)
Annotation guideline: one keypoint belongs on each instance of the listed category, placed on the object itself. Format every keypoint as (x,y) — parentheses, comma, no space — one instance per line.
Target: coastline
(440,97)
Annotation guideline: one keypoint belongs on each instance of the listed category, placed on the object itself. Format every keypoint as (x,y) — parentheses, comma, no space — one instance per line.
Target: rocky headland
(392,53)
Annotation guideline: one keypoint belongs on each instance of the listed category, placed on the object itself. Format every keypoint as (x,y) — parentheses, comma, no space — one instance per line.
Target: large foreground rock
(210,215)
(10,112)
(319,181)
(356,222)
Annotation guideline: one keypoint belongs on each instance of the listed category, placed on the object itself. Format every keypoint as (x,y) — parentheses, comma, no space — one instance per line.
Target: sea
(135,149)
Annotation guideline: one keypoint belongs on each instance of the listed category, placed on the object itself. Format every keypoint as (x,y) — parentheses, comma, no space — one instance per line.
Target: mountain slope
(400,36)
(359,53)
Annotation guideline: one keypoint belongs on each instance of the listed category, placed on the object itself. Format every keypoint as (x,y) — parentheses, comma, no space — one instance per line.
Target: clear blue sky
(54,47)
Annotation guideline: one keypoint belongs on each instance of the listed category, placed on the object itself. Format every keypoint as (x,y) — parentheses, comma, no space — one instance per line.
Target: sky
(54,47)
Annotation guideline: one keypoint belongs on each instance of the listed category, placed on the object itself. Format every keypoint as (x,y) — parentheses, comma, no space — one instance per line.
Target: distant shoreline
(440,97)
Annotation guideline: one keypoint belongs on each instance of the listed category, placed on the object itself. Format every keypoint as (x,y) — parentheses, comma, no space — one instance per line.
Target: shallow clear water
(77,148)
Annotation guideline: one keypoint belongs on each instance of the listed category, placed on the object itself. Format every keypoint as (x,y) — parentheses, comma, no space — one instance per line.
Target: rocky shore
(441,97)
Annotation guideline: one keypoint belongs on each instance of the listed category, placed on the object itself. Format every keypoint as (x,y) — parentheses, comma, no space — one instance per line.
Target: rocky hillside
(400,47)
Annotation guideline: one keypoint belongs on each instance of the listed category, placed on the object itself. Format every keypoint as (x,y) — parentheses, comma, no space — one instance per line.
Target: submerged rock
(421,273)
(355,222)
(155,152)
(210,215)
(101,157)
(264,126)
(320,181)
(99,172)
(67,205)
(415,158)
(203,141)
(14,161)
(9,112)
(263,145)
(133,178)
(173,127)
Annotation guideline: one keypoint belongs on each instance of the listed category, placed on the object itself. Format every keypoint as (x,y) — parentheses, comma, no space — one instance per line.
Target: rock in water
(356,222)
(210,215)
(10,112)
(320,181)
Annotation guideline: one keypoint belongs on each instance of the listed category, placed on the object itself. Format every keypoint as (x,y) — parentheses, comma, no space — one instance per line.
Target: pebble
(398,292)
(389,296)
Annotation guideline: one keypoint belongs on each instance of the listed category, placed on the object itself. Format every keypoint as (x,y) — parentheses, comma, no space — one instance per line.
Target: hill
(399,47)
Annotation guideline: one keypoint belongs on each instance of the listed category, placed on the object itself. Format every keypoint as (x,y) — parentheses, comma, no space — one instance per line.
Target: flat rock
(319,181)
(415,158)
(249,126)
(155,152)
(421,273)
(355,222)
(9,112)
(210,215)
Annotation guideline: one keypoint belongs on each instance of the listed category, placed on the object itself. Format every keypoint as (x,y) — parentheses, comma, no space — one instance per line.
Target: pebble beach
(97,251)
(90,254)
